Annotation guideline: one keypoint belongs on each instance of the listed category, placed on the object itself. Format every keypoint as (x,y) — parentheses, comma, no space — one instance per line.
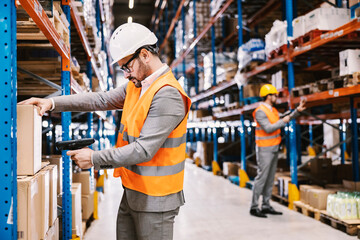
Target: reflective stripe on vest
(156,170)
(164,173)
(262,138)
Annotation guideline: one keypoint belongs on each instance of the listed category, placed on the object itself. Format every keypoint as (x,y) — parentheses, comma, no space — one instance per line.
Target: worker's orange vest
(164,173)
(262,138)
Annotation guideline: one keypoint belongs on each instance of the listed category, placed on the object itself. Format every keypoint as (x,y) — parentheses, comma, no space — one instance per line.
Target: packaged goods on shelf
(52,169)
(326,19)
(304,192)
(298,26)
(56,160)
(231,168)
(29,206)
(318,197)
(253,50)
(215,6)
(76,209)
(87,205)
(53,232)
(252,89)
(277,80)
(87,182)
(205,152)
(344,205)
(44,188)
(223,61)
(29,126)
(349,61)
(276,38)
(284,182)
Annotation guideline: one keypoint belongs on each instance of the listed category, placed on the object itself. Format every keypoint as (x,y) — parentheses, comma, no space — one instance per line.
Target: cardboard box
(53,193)
(87,182)
(326,19)
(349,61)
(28,207)
(318,197)
(231,169)
(320,166)
(76,209)
(29,138)
(56,160)
(304,190)
(87,206)
(53,232)
(45,201)
(352,186)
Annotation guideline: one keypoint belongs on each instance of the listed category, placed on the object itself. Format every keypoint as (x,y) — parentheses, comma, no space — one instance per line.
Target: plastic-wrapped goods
(298,26)
(215,6)
(253,50)
(349,61)
(222,60)
(326,18)
(277,36)
(343,205)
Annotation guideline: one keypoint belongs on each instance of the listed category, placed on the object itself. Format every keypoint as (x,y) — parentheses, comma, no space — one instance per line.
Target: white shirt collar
(267,105)
(145,84)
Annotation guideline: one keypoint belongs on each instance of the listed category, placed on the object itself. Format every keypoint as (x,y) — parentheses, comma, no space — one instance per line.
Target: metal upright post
(213,55)
(241,95)
(66,121)
(183,42)
(8,128)
(196,52)
(291,82)
(174,34)
(311,135)
(90,116)
(215,140)
(354,141)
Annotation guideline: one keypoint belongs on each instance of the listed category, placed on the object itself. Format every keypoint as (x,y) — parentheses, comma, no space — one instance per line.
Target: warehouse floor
(216,209)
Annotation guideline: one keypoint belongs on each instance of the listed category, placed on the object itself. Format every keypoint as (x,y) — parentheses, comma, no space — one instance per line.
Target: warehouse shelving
(291,56)
(8,205)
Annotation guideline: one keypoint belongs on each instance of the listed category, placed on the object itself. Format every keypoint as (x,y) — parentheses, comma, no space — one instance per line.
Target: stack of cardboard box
(37,202)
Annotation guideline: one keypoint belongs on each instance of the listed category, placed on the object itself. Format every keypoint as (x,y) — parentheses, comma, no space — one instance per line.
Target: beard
(143,73)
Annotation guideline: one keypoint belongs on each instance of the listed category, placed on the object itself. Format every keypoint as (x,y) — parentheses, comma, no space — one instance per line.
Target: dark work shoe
(270,210)
(257,213)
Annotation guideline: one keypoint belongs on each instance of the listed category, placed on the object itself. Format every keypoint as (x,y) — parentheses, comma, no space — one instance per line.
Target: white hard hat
(128,38)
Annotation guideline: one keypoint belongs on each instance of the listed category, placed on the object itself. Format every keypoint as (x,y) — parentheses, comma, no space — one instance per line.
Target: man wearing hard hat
(267,138)
(150,153)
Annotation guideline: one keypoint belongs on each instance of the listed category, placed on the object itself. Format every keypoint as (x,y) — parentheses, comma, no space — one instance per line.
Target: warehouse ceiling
(141,13)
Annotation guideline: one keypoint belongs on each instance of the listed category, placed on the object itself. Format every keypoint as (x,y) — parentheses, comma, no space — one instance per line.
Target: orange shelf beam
(37,13)
(203,32)
(327,37)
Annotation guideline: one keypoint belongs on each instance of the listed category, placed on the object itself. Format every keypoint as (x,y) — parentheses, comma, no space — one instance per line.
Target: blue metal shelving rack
(8,141)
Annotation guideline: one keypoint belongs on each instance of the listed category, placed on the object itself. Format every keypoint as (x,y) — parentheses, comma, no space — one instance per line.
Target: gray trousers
(264,180)
(133,225)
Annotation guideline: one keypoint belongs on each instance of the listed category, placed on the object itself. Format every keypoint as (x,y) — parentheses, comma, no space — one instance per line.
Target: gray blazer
(167,110)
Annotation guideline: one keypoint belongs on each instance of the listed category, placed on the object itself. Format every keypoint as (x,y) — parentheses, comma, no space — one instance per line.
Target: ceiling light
(130,19)
(131,4)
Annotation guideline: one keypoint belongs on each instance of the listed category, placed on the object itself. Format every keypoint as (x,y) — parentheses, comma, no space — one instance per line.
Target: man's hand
(301,106)
(286,119)
(43,103)
(82,157)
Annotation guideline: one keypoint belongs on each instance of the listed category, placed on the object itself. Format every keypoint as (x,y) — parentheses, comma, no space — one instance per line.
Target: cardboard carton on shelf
(29,138)
(56,160)
(87,182)
(76,209)
(318,197)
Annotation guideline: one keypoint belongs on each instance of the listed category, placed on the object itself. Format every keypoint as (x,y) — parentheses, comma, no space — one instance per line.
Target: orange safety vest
(262,138)
(164,173)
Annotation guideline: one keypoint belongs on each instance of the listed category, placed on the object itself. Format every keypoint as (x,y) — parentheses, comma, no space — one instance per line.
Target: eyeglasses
(125,67)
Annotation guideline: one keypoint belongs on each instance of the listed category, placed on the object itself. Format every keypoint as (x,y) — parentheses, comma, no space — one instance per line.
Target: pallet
(279,52)
(348,226)
(282,200)
(305,90)
(307,210)
(307,37)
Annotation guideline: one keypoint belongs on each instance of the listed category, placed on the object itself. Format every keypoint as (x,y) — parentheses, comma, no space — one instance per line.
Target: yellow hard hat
(267,89)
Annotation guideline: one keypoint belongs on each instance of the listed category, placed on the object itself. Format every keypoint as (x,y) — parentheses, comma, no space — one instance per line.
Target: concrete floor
(216,209)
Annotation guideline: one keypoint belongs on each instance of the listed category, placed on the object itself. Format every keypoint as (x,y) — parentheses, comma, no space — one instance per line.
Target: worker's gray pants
(263,184)
(133,225)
